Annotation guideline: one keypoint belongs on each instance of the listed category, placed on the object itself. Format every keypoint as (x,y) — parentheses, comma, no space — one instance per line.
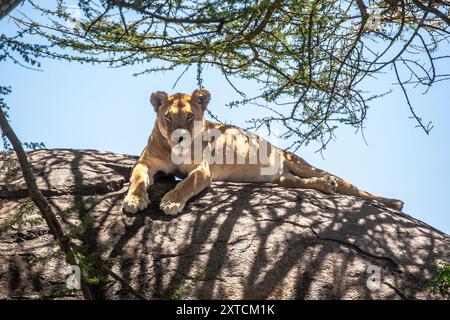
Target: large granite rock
(233,241)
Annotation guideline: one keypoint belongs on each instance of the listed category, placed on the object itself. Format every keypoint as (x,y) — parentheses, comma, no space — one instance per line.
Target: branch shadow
(232,241)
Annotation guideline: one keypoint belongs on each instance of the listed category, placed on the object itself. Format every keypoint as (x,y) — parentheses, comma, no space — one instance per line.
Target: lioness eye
(190,116)
(168,117)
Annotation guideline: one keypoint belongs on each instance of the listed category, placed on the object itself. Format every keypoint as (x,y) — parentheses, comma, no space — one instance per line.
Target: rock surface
(232,241)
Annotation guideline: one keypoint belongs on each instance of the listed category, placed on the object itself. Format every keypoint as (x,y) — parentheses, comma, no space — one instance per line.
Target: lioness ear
(157,99)
(201,97)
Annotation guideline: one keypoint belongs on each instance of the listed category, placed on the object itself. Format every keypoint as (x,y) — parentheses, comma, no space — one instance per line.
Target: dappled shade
(234,240)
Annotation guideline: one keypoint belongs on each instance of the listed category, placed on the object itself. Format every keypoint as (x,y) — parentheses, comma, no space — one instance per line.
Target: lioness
(179,113)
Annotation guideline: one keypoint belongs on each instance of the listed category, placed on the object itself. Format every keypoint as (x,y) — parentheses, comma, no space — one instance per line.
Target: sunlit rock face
(232,241)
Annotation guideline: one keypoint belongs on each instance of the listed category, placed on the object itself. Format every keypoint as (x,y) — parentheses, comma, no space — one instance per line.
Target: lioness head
(179,112)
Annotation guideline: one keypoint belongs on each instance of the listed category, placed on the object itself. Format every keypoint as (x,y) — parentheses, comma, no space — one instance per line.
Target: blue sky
(95,107)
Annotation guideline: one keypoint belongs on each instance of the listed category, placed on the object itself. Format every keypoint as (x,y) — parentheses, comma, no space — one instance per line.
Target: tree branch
(49,216)
(39,200)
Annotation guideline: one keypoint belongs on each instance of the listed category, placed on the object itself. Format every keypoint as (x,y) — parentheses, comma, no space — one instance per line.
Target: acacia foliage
(309,57)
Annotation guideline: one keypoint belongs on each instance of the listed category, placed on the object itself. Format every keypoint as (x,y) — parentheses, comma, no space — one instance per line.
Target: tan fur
(180,111)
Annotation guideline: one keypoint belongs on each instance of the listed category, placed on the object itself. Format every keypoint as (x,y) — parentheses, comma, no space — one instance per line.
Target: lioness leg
(343,187)
(303,169)
(137,197)
(325,184)
(199,178)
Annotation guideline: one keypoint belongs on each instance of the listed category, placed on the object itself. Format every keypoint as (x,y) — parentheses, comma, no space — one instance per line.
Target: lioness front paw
(133,203)
(171,203)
